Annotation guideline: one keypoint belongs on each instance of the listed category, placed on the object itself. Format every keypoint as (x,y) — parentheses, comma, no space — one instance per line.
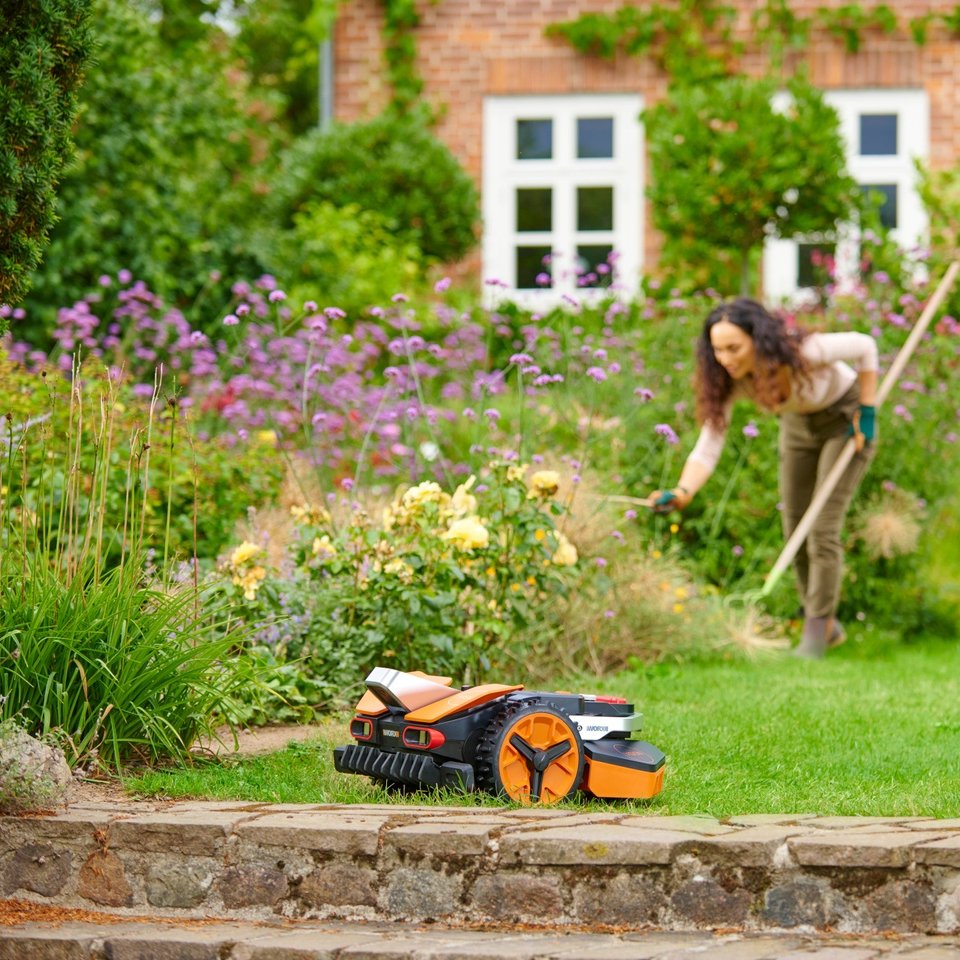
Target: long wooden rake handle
(846,455)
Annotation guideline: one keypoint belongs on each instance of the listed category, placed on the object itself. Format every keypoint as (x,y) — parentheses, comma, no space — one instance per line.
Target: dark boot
(836,634)
(813,642)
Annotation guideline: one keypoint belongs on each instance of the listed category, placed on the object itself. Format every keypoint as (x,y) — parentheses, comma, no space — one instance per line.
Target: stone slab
(941,853)
(334,832)
(593,844)
(702,826)
(752,846)
(848,849)
(445,838)
(200,833)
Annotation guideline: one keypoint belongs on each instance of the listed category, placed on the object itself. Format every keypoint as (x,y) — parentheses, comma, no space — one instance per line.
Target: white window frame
(912,108)
(504,174)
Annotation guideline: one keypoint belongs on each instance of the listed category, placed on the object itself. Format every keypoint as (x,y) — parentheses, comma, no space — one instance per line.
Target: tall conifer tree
(44,46)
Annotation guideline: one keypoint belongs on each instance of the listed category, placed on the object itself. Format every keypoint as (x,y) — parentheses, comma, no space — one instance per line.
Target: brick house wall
(472,49)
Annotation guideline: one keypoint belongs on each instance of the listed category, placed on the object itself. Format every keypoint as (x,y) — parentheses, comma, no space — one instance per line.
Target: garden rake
(793,544)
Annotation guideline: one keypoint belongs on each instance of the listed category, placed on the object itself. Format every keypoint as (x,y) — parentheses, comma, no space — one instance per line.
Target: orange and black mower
(415,731)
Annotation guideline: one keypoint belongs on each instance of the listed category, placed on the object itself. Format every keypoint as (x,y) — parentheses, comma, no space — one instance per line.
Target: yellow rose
(427,492)
(467,533)
(463,501)
(516,471)
(566,553)
(544,484)
(309,514)
(323,548)
(244,553)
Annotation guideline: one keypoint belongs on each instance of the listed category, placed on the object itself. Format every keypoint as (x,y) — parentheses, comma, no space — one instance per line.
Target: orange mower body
(413,731)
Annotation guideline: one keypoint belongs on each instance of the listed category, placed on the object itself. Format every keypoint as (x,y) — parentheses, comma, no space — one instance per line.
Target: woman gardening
(823,387)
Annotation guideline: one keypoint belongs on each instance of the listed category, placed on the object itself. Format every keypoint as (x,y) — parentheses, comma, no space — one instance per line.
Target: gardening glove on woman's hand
(864,426)
(663,501)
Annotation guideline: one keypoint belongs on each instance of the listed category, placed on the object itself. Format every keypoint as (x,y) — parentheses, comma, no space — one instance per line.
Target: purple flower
(667,432)
(597,373)
(441,285)
(750,431)
(399,298)
(737,550)
(124,276)
(230,320)
(643,393)
(491,414)
(276,296)
(600,562)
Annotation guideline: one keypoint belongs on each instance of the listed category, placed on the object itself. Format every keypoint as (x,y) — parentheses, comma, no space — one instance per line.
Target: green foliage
(848,21)
(279,43)
(43,50)
(940,192)
(167,171)
(116,670)
(400,19)
(691,41)
(98,468)
(730,169)
(346,256)
(442,580)
(392,165)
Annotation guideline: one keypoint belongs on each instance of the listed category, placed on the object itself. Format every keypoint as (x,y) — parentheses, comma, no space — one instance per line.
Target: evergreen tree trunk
(44,45)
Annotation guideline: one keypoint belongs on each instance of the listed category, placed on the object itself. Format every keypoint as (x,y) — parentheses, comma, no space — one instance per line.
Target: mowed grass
(870,730)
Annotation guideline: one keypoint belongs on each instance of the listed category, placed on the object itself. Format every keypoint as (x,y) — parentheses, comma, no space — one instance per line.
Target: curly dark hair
(777,350)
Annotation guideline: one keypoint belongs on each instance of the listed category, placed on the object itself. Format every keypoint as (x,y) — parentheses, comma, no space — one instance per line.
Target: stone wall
(551,867)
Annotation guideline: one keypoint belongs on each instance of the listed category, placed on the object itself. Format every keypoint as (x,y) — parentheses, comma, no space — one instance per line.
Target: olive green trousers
(810,444)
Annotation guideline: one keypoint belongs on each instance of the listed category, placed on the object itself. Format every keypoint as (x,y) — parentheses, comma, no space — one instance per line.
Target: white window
(883,132)
(562,195)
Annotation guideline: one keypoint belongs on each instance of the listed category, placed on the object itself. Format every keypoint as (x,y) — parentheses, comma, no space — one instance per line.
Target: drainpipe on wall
(325,85)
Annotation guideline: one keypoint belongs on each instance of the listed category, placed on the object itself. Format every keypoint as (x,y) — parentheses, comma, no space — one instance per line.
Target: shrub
(441,581)
(344,255)
(392,165)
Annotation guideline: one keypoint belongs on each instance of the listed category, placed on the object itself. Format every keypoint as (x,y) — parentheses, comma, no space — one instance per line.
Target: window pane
(878,134)
(594,137)
(532,272)
(885,195)
(534,209)
(593,265)
(594,208)
(813,260)
(534,139)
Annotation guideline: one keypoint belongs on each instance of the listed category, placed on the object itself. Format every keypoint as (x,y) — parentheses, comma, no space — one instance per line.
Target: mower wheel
(531,753)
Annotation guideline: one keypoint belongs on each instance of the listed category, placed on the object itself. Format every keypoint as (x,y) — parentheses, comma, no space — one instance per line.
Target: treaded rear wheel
(531,753)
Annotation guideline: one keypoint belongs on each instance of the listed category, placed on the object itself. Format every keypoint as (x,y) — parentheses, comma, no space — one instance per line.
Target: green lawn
(871,730)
